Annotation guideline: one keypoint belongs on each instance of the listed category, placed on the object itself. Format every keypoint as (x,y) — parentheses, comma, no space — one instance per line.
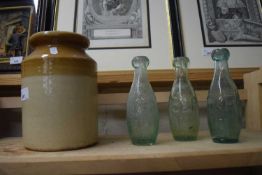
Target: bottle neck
(140,74)
(181,73)
(221,76)
(222,81)
(221,66)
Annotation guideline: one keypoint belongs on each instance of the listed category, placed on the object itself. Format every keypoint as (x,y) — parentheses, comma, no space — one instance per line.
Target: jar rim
(59,37)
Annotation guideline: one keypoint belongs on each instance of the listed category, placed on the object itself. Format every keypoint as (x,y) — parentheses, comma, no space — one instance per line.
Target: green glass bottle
(183,105)
(223,103)
(142,109)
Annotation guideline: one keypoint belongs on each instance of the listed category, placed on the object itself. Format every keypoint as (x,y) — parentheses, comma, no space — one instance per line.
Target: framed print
(113,24)
(160,49)
(231,22)
(28,15)
(15,29)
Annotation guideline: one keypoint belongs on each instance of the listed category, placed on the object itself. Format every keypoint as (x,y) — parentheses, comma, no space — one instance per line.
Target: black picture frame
(231,25)
(176,29)
(126,42)
(47,15)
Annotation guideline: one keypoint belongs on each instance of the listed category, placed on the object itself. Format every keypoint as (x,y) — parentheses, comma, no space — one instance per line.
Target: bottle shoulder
(223,95)
(141,90)
(183,88)
(222,83)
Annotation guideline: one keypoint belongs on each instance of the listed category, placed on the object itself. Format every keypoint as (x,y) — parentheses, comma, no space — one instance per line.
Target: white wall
(160,54)
(240,56)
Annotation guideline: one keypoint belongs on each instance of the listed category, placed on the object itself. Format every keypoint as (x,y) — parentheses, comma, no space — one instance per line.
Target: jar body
(183,105)
(223,104)
(142,109)
(61,111)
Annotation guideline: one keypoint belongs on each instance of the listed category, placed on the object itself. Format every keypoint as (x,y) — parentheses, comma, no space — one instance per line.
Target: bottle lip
(179,61)
(140,60)
(220,54)
(186,59)
(59,37)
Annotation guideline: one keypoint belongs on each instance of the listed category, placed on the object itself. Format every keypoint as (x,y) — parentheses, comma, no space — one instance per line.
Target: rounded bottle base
(143,142)
(224,140)
(185,138)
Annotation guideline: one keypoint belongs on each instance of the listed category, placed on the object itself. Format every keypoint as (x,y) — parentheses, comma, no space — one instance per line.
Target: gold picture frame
(16,25)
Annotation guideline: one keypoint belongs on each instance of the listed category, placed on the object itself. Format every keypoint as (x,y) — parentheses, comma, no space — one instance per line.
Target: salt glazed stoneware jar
(59,93)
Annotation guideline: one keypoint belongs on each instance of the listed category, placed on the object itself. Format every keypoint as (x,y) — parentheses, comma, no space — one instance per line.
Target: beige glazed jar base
(61,111)
(67,118)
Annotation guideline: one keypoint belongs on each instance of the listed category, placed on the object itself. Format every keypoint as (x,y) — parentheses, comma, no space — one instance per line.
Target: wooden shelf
(156,77)
(117,98)
(118,155)
(10,80)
